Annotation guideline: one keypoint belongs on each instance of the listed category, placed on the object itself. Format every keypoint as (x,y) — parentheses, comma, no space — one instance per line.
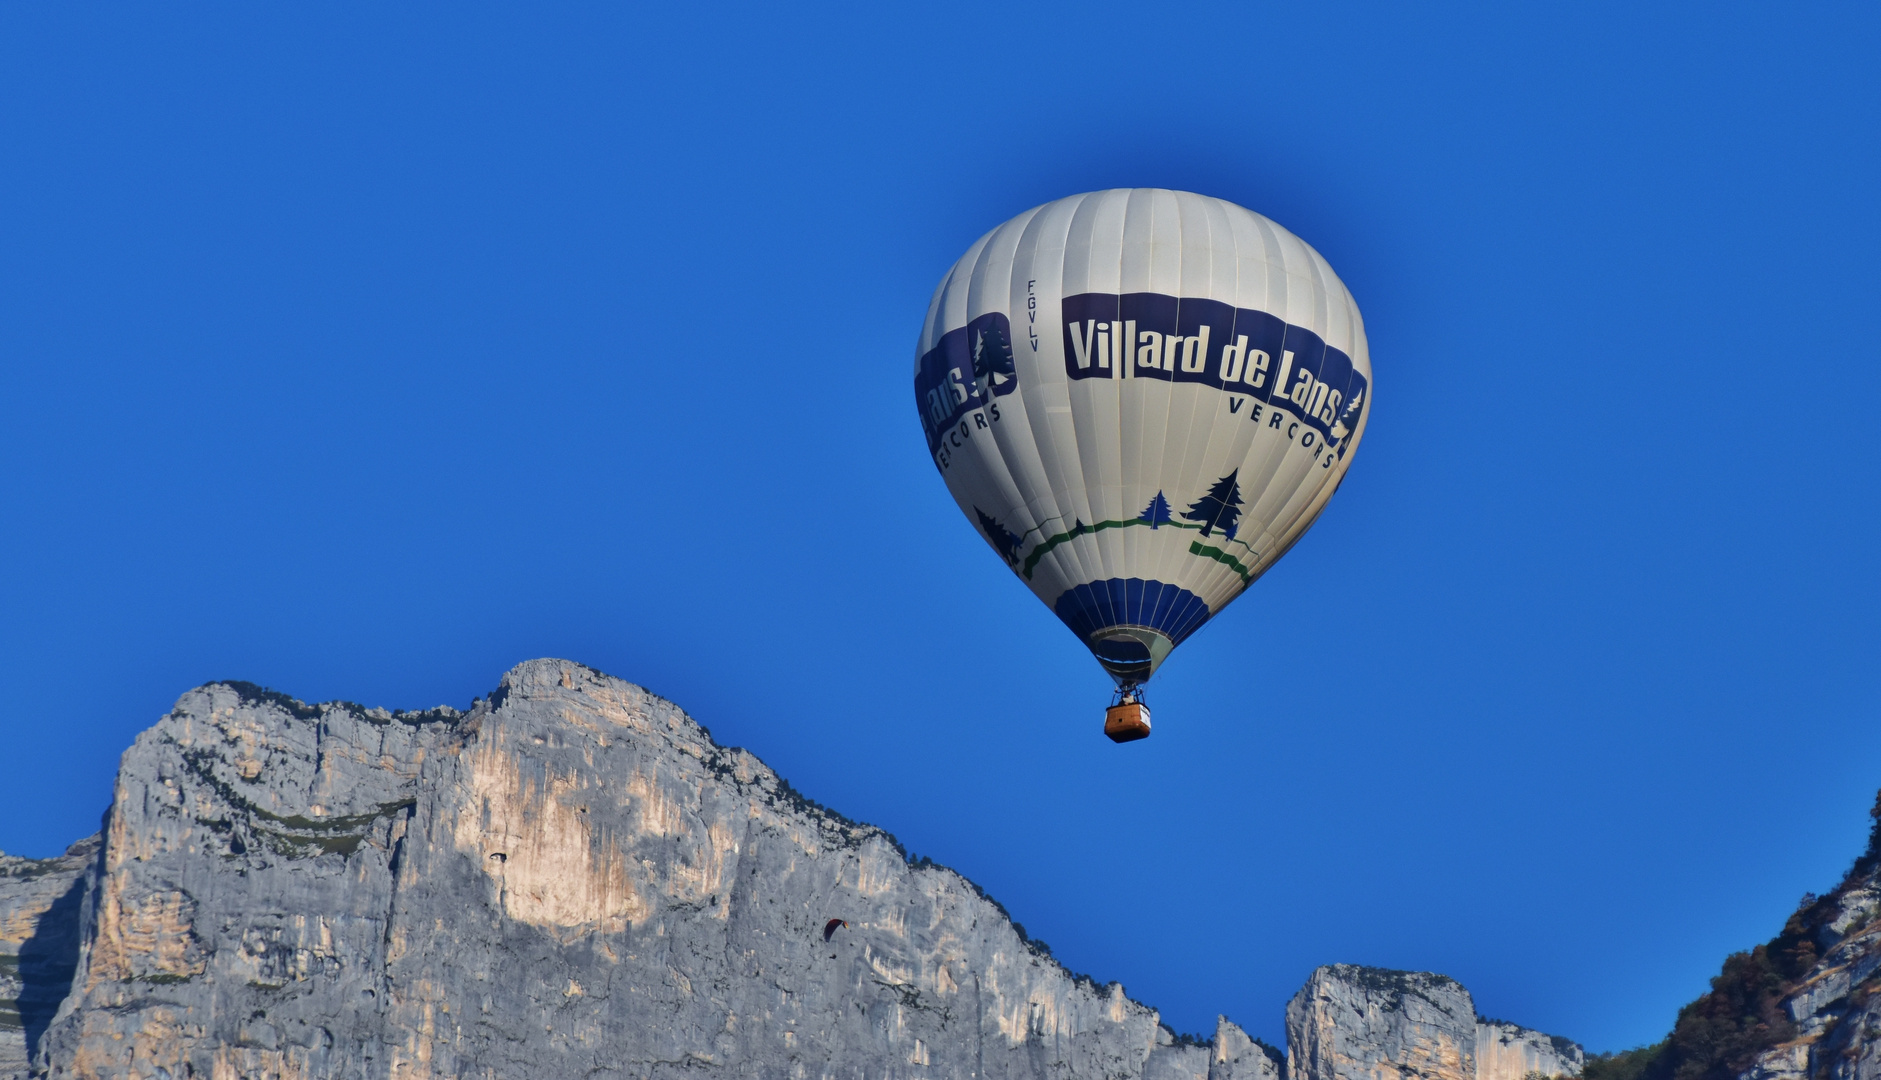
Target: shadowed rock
(40,902)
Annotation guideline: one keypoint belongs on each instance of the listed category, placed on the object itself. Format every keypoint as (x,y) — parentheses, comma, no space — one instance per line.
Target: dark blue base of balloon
(1170,610)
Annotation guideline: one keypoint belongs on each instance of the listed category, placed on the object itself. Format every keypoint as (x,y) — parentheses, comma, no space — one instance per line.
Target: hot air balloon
(1141,399)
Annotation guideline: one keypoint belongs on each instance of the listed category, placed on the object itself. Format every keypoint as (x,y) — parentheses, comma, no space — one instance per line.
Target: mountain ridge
(572,877)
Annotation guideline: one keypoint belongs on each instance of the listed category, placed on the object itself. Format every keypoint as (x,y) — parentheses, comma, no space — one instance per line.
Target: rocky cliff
(1833,1011)
(1361,1023)
(1511,1050)
(1805,1005)
(39,922)
(573,879)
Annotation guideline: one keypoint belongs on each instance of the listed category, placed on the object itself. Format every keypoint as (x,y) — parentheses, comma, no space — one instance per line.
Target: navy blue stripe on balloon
(1175,611)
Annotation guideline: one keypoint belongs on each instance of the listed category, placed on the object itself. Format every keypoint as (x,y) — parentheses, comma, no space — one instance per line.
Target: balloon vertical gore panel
(1141,399)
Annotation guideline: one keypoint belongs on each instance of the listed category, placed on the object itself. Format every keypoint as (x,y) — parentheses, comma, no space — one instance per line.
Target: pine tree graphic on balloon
(992,359)
(1156,514)
(1002,537)
(1220,508)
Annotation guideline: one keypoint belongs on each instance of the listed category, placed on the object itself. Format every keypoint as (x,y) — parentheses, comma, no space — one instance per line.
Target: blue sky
(364,353)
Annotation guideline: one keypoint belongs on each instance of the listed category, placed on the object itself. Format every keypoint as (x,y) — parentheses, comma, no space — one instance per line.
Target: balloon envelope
(1141,399)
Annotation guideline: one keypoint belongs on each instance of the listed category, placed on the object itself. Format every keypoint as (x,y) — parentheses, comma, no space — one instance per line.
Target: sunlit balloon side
(1141,399)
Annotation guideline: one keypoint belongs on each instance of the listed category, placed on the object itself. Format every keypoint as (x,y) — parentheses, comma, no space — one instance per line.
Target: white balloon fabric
(1141,398)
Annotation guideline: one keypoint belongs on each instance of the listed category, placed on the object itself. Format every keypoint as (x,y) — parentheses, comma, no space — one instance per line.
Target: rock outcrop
(39,923)
(1805,1005)
(1363,1023)
(1360,1023)
(573,879)
(1506,1051)
(1835,1009)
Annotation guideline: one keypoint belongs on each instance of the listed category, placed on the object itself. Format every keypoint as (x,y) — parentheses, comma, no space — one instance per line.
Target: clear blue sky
(364,353)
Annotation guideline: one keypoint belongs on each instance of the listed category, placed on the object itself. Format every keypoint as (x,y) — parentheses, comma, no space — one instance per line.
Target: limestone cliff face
(1836,1008)
(1506,1051)
(1361,1023)
(571,879)
(39,922)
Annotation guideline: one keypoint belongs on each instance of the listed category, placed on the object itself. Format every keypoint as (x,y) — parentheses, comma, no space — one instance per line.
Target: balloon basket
(1128,719)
